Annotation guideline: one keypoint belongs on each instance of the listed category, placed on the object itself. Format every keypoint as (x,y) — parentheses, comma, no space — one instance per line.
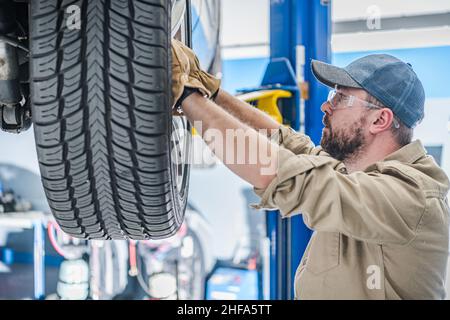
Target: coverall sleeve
(383,206)
(296,142)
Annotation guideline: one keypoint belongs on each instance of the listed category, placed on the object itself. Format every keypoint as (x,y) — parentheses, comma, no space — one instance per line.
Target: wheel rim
(180,151)
(178,14)
(181,137)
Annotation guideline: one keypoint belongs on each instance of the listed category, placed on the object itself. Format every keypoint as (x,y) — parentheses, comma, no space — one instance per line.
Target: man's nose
(326,108)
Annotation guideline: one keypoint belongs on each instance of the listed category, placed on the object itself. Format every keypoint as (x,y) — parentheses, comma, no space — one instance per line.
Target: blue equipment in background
(300,30)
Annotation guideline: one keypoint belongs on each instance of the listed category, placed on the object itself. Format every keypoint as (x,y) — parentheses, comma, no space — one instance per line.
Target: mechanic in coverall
(376,201)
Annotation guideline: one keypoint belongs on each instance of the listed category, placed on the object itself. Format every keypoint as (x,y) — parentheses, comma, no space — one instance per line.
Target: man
(376,201)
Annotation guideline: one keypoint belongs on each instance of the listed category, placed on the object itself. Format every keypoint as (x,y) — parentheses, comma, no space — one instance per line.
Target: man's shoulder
(424,172)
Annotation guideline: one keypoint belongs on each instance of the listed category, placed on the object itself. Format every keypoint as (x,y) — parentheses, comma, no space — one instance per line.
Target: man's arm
(254,156)
(297,142)
(185,62)
(246,113)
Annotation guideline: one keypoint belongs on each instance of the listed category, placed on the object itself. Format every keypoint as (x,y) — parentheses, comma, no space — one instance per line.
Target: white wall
(245,28)
(19,149)
(245,22)
(343,10)
(435,128)
(392,39)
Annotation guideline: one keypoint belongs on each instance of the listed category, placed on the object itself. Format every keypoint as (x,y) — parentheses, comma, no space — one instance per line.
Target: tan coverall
(381,233)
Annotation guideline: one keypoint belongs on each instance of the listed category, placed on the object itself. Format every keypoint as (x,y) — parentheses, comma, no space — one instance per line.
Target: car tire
(101,106)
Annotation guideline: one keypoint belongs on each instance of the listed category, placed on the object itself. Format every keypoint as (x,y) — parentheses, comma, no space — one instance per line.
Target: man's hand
(180,71)
(196,74)
(186,77)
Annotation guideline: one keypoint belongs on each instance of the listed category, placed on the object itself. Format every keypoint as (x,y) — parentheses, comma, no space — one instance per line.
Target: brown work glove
(180,74)
(196,74)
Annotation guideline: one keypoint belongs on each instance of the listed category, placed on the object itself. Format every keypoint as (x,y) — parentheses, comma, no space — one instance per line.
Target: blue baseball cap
(387,78)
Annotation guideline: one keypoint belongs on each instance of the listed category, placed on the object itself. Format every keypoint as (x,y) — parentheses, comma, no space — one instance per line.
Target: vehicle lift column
(300,30)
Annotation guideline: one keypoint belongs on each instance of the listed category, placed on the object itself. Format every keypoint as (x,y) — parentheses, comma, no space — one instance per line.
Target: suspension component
(15,115)
(9,75)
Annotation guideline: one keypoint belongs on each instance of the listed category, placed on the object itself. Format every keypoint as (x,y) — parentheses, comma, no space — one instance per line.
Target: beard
(346,143)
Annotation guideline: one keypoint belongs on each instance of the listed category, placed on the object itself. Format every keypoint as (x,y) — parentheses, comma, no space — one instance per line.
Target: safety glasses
(338,99)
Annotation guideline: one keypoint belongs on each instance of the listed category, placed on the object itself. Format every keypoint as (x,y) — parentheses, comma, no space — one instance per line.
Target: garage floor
(18,283)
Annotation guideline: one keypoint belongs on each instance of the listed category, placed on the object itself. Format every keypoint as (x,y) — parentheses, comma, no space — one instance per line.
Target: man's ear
(381,121)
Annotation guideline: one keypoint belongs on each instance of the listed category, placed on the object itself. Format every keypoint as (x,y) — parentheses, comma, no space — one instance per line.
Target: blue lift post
(300,30)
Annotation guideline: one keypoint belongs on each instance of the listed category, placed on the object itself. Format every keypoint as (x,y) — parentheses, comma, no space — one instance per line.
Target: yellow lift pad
(267,101)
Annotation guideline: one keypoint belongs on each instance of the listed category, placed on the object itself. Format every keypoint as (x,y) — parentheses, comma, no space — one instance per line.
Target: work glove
(183,84)
(180,74)
(208,85)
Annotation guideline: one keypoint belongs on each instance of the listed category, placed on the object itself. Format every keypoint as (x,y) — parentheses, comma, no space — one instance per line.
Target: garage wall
(245,28)
(344,10)
(245,38)
(19,149)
